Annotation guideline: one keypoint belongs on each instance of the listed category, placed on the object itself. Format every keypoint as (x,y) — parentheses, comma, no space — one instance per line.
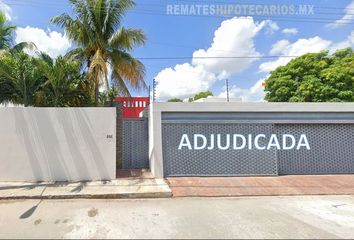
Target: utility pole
(149,92)
(227,90)
(154,90)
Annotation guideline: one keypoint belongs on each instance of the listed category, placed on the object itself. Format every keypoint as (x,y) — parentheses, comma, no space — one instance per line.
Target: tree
(175,100)
(314,77)
(20,79)
(6,31)
(108,96)
(103,41)
(64,86)
(6,38)
(42,81)
(201,95)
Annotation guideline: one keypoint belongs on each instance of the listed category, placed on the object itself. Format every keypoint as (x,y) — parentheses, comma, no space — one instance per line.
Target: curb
(122,189)
(89,196)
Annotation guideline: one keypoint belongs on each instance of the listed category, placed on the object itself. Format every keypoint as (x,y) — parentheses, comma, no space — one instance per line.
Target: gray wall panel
(135,144)
(332,149)
(215,162)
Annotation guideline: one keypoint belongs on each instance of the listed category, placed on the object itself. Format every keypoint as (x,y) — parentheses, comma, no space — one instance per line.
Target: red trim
(134,106)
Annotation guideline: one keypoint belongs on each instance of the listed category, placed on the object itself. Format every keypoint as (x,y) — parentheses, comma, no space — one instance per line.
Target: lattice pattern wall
(135,144)
(332,149)
(215,162)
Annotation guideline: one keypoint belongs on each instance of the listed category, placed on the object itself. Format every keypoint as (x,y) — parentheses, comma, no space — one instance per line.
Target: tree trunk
(96,94)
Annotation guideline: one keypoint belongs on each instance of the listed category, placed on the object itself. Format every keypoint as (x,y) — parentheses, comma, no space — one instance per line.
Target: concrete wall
(239,113)
(57,144)
(155,141)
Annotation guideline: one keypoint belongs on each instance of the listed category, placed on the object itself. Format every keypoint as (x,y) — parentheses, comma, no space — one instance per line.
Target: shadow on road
(30,211)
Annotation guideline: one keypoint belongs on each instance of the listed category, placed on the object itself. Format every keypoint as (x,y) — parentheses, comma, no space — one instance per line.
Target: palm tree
(64,84)
(6,38)
(103,42)
(18,76)
(20,79)
(6,32)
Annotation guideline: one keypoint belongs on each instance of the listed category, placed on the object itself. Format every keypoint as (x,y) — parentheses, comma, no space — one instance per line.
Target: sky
(197,50)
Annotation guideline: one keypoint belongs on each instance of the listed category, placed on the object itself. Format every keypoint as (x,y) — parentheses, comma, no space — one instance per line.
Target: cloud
(272,27)
(50,42)
(6,9)
(349,42)
(346,19)
(182,81)
(290,31)
(252,94)
(298,48)
(234,37)
(279,47)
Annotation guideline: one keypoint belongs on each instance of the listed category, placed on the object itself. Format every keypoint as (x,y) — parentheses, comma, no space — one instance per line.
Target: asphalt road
(261,217)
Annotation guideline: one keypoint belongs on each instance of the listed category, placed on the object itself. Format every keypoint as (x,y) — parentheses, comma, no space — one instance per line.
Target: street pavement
(243,217)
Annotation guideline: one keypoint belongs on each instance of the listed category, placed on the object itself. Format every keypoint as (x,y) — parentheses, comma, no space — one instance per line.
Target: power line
(217,57)
(55,4)
(281,18)
(268,17)
(182,1)
(190,47)
(244,17)
(66,3)
(277,18)
(253,3)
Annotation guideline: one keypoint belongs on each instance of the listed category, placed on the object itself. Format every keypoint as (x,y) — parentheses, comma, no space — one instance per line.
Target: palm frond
(119,84)
(46,58)
(78,55)
(127,39)
(75,29)
(6,32)
(129,68)
(98,69)
(115,12)
(24,45)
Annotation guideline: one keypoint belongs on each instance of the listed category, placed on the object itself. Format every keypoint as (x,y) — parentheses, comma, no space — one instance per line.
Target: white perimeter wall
(57,144)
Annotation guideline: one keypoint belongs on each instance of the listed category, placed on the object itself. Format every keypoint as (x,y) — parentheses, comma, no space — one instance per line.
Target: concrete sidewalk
(120,188)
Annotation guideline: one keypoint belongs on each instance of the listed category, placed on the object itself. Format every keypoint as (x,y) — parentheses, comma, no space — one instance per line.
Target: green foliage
(175,100)
(103,41)
(108,96)
(201,95)
(6,38)
(314,77)
(20,79)
(6,31)
(74,80)
(42,82)
(64,86)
